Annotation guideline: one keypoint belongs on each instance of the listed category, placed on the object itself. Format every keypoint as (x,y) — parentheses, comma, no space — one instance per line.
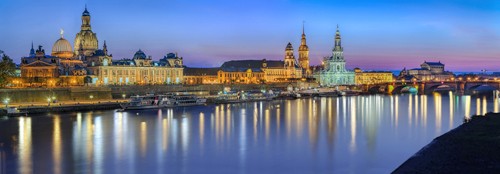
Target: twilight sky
(376,35)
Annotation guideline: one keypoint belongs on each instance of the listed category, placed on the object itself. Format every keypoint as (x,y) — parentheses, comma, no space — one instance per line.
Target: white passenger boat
(149,101)
(13,111)
(185,100)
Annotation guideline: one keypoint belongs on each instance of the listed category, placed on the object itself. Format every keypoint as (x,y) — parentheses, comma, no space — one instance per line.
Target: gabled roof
(434,63)
(241,69)
(200,71)
(124,62)
(38,63)
(418,69)
(236,64)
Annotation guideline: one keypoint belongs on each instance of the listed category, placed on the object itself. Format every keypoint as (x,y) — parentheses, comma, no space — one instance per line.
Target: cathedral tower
(86,38)
(289,57)
(338,51)
(304,54)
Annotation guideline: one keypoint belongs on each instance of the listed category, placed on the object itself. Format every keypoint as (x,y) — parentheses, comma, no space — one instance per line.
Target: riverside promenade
(473,147)
(65,106)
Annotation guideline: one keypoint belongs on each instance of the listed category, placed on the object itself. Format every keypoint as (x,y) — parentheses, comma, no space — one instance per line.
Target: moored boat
(147,102)
(185,100)
(13,111)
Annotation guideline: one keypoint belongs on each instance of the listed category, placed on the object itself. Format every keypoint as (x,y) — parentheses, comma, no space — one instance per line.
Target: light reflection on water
(362,134)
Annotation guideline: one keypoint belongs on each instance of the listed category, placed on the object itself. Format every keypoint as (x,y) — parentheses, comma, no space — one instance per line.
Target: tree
(7,69)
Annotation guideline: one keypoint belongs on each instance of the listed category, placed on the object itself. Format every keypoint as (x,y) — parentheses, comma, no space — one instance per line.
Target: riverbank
(470,148)
(38,108)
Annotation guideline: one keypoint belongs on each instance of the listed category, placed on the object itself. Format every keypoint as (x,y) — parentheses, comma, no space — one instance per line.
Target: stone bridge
(464,87)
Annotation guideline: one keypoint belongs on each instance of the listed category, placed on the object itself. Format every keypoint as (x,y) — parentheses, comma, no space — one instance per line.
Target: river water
(358,134)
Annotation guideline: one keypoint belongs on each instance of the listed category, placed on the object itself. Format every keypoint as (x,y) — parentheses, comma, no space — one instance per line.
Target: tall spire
(303,33)
(337,38)
(338,51)
(105,48)
(32,51)
(304,53)
(303,39)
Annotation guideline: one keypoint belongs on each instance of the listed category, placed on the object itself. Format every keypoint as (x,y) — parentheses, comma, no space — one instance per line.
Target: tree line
(7,69)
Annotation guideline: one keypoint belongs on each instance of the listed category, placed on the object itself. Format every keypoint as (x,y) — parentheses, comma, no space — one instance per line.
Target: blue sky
(377,35)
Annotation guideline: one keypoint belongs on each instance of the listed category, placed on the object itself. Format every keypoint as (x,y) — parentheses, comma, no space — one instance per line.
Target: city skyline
(462,35)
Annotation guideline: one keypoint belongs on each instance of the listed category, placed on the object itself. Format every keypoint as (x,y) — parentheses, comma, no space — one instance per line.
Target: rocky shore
(473,147)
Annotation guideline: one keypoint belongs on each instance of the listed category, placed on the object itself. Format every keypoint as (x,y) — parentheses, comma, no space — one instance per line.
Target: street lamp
(6,102)
(48,101)
(124,95)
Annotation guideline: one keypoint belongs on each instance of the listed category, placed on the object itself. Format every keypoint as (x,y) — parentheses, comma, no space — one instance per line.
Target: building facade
(428,71)
(198,76)
(334,72)
(139,70)
(88,65)
(86,42)
(372,77)
(304,55)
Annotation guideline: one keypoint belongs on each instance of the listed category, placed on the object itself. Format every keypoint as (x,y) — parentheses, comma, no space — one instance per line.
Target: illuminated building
(196,76)
(240,75)
(428,71)
(85,41)
(39,69)
(62,48)
(304,55)
(141,69)
(372,77)
(68,67)
(39,65)
(334,71)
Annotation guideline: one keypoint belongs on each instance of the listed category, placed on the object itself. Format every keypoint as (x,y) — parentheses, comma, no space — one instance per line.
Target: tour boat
(185,100)
(149,101)
(249,96)
(13,111)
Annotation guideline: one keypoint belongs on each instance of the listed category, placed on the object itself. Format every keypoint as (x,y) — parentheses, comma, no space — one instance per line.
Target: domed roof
(289,46)
(62,45)
(62,48)
(85,13)
(140,55)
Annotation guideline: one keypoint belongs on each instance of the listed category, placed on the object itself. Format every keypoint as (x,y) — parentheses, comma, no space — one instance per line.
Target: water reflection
(342,134)
(57,145)
(25,161)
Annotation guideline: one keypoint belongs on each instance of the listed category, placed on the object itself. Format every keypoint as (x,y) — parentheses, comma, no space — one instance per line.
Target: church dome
(88,40)
(62,48)
(140,55)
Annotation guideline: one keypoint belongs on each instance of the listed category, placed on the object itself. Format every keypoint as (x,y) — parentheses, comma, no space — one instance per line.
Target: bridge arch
(482,87)
(404,89)
(440,87)
(375,89)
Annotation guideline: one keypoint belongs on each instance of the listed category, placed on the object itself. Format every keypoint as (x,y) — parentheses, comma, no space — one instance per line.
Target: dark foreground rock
(473,147)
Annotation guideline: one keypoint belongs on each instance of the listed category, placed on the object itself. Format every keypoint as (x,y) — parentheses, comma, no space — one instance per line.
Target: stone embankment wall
(60,94)
(118,92)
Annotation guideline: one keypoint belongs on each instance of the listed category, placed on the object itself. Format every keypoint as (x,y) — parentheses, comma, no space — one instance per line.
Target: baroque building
(196,76)
(334,72)
(428,71)
(85,41)
(139,70)
(88,65)
(372,77)
(261,71)
(304,55)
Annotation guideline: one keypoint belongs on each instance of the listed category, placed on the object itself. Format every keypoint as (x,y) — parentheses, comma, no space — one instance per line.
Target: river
(356,134)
